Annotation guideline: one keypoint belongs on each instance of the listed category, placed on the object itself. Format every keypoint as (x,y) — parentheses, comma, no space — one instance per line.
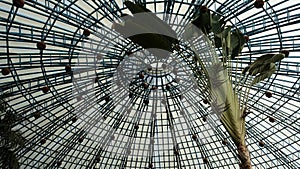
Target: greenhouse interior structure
(164,84)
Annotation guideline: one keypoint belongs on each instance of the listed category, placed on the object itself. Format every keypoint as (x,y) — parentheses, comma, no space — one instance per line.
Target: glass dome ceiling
(87,101)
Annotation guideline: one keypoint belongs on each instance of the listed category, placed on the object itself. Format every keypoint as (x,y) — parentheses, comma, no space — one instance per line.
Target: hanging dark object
(86,32)
(152,141)
(107,98)
(141,75)
(146,101)
(194,137)
(205,160)
(145,85)
(19,3)
(45,89)
(41,45)
(80,140)
(130,95)
(58,163)
(168,86)
(259,3)
(43,141)
(205,101)
(5,71)
(272,119)
(97,159)
(37,115)
(268,94)
(68,68)
(99,57)
(246,38)
(74,119)
(203,9)
(261,144)
(96,79)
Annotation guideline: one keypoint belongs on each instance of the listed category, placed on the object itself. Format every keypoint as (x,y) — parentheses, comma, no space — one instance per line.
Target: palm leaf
(203,22)
(263,58)
(260,69)
(8,159)
(257,63)
(277,58)
(135,8)
(146,40)
(263,75)
(150,20)
(216,24)
(9,139)
(246,69)
(225,37)
(233,121)
(237,42)
(225,101)
(3,104)
(232,116)
(15,139)
(218,42)
(147,30)
(10,117)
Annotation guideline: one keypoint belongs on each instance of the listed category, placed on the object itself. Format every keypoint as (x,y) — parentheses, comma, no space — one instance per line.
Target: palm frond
(263,58)
(260,69)
(216,24)
(146,40)
(150,20)
(277,58)
(135,8)
(8,159)
(225,101)
(203,22)
(218,42)
(257,63)
(147,30)
(9,139)
(232,117)
(245,70)
(237,42)
(263,75)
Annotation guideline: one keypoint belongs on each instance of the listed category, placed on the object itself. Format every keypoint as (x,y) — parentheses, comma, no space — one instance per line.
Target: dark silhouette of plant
(10,139)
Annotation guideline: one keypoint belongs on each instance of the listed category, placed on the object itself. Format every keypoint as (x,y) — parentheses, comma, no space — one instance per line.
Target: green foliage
(151,28)
(135,8)
(9,139)
(218,42)
(203,22)
(217,24)
(8,158)
(231,41)
(237,42)
(263,67)
(264,74)
(225,103)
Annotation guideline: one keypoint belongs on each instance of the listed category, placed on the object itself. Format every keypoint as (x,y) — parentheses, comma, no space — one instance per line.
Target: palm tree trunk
(244,156)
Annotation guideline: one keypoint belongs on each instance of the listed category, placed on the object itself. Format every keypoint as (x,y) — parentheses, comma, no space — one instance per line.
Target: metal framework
(75,114)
